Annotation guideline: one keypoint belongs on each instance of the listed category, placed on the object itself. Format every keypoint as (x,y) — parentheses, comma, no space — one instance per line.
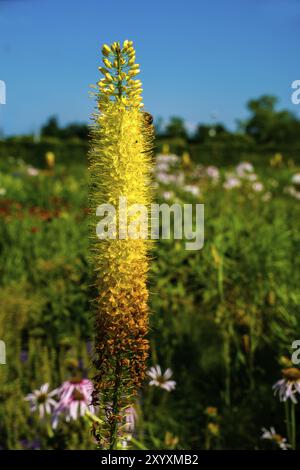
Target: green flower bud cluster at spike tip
(119,71)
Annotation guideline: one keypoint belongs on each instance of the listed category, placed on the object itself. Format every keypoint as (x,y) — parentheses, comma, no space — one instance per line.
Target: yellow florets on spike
(120,162)
(120,69)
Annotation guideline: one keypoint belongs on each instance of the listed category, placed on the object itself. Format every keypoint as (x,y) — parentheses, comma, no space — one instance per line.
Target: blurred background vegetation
(267,130)
(223,318)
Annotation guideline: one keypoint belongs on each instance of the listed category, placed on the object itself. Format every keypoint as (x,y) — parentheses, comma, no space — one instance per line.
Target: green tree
(72,130)
(266,125)
(176,128)
(51,128)
(80,131)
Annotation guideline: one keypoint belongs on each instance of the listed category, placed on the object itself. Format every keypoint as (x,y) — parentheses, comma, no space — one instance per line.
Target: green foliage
(33,151)
(266,125)
(71,131)
(176,128)
(221,317)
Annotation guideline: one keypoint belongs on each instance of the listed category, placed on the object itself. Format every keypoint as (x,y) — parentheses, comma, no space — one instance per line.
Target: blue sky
(197,57)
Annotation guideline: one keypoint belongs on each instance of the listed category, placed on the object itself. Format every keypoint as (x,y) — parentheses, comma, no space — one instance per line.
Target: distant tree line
(71,131)
(265,125)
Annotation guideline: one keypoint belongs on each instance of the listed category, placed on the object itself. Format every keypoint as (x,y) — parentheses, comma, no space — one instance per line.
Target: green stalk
(287,421)
(227,369)
(226,336)
(114,425)
(293,425)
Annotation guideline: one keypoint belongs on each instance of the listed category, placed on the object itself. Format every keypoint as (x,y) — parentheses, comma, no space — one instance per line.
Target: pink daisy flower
(75,400)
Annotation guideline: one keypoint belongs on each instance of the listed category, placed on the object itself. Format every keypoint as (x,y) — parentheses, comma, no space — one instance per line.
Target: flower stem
(287,420)
(49,430)
(115,410)
(227,370)
(293,426)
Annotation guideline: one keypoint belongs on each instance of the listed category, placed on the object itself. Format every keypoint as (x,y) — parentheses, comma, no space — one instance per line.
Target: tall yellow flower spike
(119,166)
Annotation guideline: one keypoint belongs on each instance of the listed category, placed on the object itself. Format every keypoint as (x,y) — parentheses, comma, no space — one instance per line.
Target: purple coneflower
(159,379)
(69,387)
(23,356)
(213,172)
(75,400)
(130,419)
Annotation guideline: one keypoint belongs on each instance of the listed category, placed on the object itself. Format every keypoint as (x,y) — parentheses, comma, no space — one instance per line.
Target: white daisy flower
(167,195)
(162,380)
(231,182)
(296,179)
(257,187)
(165,178)
(293,192)
(190,188)
(41,400)
(288,387)
(31,171)
(250,177)
(243,168)
(162,167)
(167,158)
(272,435)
